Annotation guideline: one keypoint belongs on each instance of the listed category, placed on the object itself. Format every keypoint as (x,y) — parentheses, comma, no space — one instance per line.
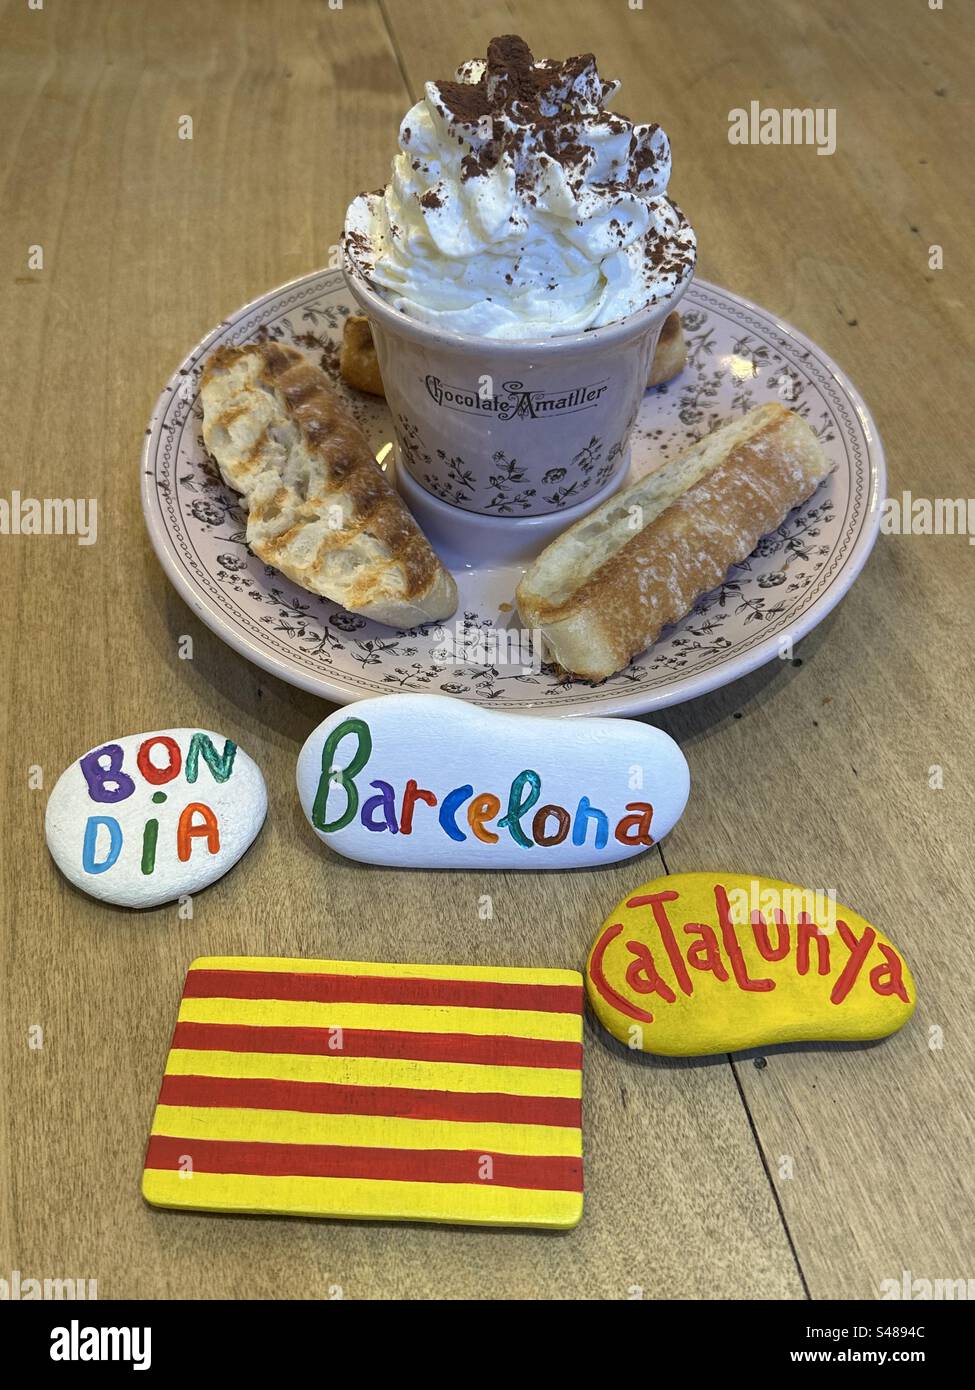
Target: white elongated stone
(147,818)
(430,782)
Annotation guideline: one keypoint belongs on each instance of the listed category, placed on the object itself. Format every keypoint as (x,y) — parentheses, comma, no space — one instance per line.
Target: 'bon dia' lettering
(158,763)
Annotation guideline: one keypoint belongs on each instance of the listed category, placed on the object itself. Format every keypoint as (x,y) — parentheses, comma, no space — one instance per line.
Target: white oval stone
(146,818)
(430,782)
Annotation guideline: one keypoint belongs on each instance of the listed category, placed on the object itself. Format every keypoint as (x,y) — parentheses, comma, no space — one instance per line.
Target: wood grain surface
(804,1172)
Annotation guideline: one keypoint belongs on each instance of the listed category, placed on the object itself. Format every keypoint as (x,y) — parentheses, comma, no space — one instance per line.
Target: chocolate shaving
(542,105)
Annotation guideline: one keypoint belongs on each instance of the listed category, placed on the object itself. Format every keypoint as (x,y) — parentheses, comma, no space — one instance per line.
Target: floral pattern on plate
(738,357)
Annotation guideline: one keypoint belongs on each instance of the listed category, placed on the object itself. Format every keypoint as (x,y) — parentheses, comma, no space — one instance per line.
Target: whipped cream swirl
(520,207)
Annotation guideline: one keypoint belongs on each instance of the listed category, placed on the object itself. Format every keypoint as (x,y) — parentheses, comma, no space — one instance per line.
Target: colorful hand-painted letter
(429,782)
(704,963)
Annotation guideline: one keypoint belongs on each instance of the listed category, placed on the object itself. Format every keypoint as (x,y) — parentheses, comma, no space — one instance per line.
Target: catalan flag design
(392,1092)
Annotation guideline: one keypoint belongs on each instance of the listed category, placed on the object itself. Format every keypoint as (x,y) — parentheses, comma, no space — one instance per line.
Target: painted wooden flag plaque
(387,1092)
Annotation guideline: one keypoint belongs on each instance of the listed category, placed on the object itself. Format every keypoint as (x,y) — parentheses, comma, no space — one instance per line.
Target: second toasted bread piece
(606,588)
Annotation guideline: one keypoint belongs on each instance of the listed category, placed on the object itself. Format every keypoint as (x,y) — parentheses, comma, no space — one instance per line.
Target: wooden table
(810,1172)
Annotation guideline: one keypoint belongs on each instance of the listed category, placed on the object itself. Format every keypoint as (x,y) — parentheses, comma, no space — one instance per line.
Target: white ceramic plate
(740,356)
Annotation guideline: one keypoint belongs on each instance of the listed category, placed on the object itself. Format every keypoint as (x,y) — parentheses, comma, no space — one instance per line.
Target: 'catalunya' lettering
(109,784)
(725,960)
(549,825)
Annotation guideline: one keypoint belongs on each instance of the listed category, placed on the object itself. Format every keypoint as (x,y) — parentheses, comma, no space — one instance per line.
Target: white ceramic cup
(513,428)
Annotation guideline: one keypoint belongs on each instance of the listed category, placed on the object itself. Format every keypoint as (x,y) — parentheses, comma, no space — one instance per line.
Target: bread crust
(319,508)
(670,354)
(731,489)
(358,363)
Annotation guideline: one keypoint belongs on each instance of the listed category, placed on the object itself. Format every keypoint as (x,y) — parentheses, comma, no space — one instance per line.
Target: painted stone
(147,818)
(692,964)
(383,1092)
(431,782)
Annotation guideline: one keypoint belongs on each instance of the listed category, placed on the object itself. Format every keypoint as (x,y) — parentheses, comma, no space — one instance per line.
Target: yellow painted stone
(713,962)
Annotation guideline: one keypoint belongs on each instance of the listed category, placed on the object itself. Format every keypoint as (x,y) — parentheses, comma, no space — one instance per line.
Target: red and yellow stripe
(340,1088)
